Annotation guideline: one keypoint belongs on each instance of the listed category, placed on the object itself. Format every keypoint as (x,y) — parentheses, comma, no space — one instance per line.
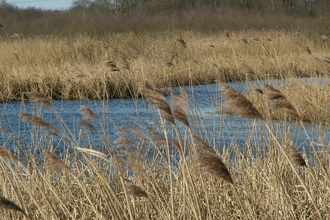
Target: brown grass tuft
(240,105)
(7,204)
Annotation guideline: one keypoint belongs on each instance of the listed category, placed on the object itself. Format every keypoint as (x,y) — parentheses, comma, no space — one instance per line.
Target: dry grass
(172,169)
(113,65)
(307,101)
(159,173)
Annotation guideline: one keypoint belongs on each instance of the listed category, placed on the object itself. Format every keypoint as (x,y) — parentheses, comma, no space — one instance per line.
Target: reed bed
(310,101)
(169,169)
(86,66)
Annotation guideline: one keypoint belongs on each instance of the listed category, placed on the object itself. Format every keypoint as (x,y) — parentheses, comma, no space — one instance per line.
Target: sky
(43,4)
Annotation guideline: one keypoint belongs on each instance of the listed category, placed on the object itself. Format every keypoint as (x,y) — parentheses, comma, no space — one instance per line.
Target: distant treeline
(140,15)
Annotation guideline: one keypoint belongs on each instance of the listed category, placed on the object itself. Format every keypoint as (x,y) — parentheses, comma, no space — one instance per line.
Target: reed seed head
(179,109)
(240,105)
(7,204)
(4,152)
(87,113)
(136,191)
(295,156)
(182,42)
(36,96)
(213,165)
(277,101)
(53,162)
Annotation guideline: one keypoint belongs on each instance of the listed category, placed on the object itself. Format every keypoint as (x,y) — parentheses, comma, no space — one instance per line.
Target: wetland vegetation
(171,167)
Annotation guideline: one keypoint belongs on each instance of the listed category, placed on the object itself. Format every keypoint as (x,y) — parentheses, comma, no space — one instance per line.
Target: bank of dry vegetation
(112,65)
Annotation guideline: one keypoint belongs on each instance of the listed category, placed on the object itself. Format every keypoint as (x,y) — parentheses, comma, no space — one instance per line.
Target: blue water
(221,131)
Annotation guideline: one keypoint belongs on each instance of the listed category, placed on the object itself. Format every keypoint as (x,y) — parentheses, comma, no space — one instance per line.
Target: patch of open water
(220,130)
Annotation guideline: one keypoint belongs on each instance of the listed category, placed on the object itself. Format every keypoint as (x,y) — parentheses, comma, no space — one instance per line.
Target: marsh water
(204,102)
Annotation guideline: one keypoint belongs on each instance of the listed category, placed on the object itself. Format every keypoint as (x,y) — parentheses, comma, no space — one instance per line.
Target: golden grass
(307,101)
(113,65)
(162,172)
(157,173)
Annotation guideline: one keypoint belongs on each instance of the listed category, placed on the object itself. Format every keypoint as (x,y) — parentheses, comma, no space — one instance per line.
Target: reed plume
(37,121)
(179,108)
(277,101)
(4,152)
(214,165)
(121,130)
(87,113)
(7,204)
(155,135)
(202,145)
(158,101)
(176,144)
(240,105)
(182,42)
(136,191)
(122,140)
(87,125)
(295,156)
(53,162)
(36,96)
